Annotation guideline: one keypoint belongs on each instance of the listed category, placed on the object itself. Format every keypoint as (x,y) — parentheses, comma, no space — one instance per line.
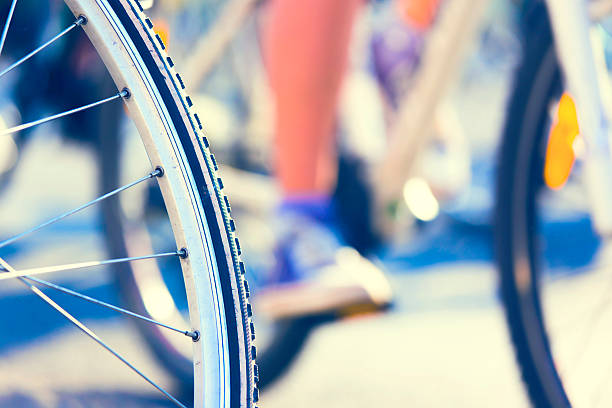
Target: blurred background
(443,341)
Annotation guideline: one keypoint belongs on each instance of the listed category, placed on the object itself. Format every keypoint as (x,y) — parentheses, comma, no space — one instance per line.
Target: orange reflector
(162,29)
(560,152)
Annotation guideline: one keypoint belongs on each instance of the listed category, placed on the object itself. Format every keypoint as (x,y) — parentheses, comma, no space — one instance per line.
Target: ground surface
(443,344)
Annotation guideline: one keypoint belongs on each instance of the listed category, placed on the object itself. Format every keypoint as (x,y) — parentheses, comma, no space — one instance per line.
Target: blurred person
(306,47)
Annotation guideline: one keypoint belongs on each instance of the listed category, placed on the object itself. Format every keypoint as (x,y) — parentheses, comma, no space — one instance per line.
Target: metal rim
(147,111)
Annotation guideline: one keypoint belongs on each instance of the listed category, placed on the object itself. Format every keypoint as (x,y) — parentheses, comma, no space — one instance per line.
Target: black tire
(353,200)
(519,179)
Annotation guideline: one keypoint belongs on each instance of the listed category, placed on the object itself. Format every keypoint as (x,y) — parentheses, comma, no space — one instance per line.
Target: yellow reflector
(559,152)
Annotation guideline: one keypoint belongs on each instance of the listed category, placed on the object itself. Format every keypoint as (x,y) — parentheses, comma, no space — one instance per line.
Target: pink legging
(306,44)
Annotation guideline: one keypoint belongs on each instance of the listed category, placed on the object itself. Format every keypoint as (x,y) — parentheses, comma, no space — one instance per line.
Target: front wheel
(222,360)
(201,247)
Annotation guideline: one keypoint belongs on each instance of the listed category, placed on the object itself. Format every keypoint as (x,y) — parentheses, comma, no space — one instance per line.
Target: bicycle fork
(588,85)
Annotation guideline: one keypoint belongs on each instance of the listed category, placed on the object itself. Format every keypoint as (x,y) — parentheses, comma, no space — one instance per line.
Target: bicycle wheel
(143,221)
(547,252)
(203,242)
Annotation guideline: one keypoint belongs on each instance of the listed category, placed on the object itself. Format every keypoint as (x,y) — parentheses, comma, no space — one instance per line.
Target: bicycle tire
(135,56)
(519,177)
(275,357)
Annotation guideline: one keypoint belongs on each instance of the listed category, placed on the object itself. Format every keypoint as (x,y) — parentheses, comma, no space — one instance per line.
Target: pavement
(445,344)
(440,347)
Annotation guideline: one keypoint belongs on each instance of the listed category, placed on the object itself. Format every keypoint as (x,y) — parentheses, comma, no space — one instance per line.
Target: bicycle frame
(571,29)
(446,45)
(210,48)
(453,31)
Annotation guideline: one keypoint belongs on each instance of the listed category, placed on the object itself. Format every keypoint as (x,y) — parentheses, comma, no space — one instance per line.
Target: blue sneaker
(316,274)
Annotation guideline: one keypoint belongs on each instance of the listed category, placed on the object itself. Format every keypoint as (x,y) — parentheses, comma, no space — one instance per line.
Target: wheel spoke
(156,173)
(193,334)
(82,265)
(88,331)
(81,20)
(124,93)
(7,25)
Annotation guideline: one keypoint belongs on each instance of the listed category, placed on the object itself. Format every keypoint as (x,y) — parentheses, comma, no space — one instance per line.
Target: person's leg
(306,47)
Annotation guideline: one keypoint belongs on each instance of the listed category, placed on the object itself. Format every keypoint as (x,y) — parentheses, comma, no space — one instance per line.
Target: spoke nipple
(159,172)
(82,20)
(125,93)
(183,253)
(195,335)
